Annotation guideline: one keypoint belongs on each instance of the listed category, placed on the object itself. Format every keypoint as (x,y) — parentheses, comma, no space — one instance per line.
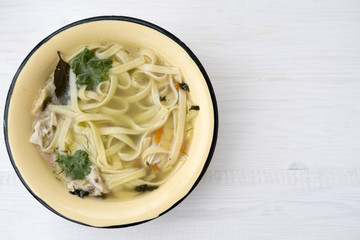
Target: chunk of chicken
(44,129)
(46,92)
(44,119)
(91,184)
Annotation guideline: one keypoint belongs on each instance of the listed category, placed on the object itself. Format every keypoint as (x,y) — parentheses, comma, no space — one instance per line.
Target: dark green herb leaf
(194,107)
(189,129)
(162,98)
(45,103)
(185,87)
(80,193)
(102,196)
(61,80)
(76,166)
(89,69)
(144,188)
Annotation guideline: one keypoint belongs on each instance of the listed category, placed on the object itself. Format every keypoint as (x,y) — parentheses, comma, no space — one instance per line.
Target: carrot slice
(155,168)
(182,148)
(158,135)
(176,84)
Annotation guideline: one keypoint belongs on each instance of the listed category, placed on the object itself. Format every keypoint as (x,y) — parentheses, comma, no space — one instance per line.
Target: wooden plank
(231,204)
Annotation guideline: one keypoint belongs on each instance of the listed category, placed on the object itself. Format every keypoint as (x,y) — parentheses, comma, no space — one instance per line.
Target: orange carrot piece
(158,135)
(155,168)
(182,148)
(176,84)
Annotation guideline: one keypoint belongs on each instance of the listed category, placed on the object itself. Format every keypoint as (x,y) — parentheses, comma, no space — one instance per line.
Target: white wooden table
(287,80)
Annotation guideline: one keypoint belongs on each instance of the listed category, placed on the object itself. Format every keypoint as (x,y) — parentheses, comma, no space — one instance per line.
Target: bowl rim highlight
(126,19)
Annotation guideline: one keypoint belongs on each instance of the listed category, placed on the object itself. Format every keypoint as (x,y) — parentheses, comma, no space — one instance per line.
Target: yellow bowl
(34,172)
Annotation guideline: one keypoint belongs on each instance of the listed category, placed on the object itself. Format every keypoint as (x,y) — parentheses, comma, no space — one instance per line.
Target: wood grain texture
(287,79)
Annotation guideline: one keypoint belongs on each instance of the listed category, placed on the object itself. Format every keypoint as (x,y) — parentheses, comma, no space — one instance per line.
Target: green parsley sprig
(89,69)
(76,166)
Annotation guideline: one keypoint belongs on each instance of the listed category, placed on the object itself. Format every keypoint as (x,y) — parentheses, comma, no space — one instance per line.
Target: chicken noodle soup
(113,120)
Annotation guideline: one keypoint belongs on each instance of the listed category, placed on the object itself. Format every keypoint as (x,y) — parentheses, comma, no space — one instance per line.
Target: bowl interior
(35,172)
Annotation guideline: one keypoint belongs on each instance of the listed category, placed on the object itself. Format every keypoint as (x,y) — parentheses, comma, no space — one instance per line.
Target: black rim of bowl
(126,19)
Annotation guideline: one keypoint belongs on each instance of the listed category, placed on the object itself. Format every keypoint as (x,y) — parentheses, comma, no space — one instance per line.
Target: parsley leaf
(76,166)
(163,99)
(89,69)
(144,188)
(80,193)
(194,107)
(184,87)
